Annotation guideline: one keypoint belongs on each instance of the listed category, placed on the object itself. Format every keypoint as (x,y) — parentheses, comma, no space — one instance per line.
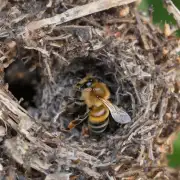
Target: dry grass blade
(173,10)
(77,12)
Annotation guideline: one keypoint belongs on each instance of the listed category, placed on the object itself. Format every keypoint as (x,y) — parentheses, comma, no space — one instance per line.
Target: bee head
(86,82)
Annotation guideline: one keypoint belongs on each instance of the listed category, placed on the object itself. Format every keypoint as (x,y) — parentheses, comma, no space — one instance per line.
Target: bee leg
(84,116)
(77,121)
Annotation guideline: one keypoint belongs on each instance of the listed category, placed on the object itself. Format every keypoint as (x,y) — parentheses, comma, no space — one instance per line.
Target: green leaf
(160,15)
(176,3)
(177,33)
(174,158)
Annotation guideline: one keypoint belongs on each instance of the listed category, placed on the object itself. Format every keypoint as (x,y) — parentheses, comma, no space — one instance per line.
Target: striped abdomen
(98,119)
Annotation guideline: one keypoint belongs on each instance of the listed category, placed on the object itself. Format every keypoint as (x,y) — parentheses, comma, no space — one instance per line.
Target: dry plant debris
(137,62)
(172,9)
(77,12)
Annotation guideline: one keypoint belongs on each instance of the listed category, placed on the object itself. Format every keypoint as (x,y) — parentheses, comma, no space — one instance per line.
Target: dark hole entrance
(22,82)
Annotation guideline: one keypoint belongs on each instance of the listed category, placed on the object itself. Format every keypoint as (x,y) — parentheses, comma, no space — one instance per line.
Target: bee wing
(118,114)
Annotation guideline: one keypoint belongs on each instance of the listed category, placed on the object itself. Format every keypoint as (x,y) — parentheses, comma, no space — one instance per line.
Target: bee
(96,96)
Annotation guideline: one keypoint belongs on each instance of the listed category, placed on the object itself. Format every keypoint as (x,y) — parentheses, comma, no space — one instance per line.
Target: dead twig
(172,9)
(51,79)
(163,108)
(43,51)
(125,20)
(77,12)
(60,57)
(143,34)
(20,147)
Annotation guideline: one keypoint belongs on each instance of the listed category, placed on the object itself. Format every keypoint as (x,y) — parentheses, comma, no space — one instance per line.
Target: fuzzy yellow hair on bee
(96,96)
(91,94)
